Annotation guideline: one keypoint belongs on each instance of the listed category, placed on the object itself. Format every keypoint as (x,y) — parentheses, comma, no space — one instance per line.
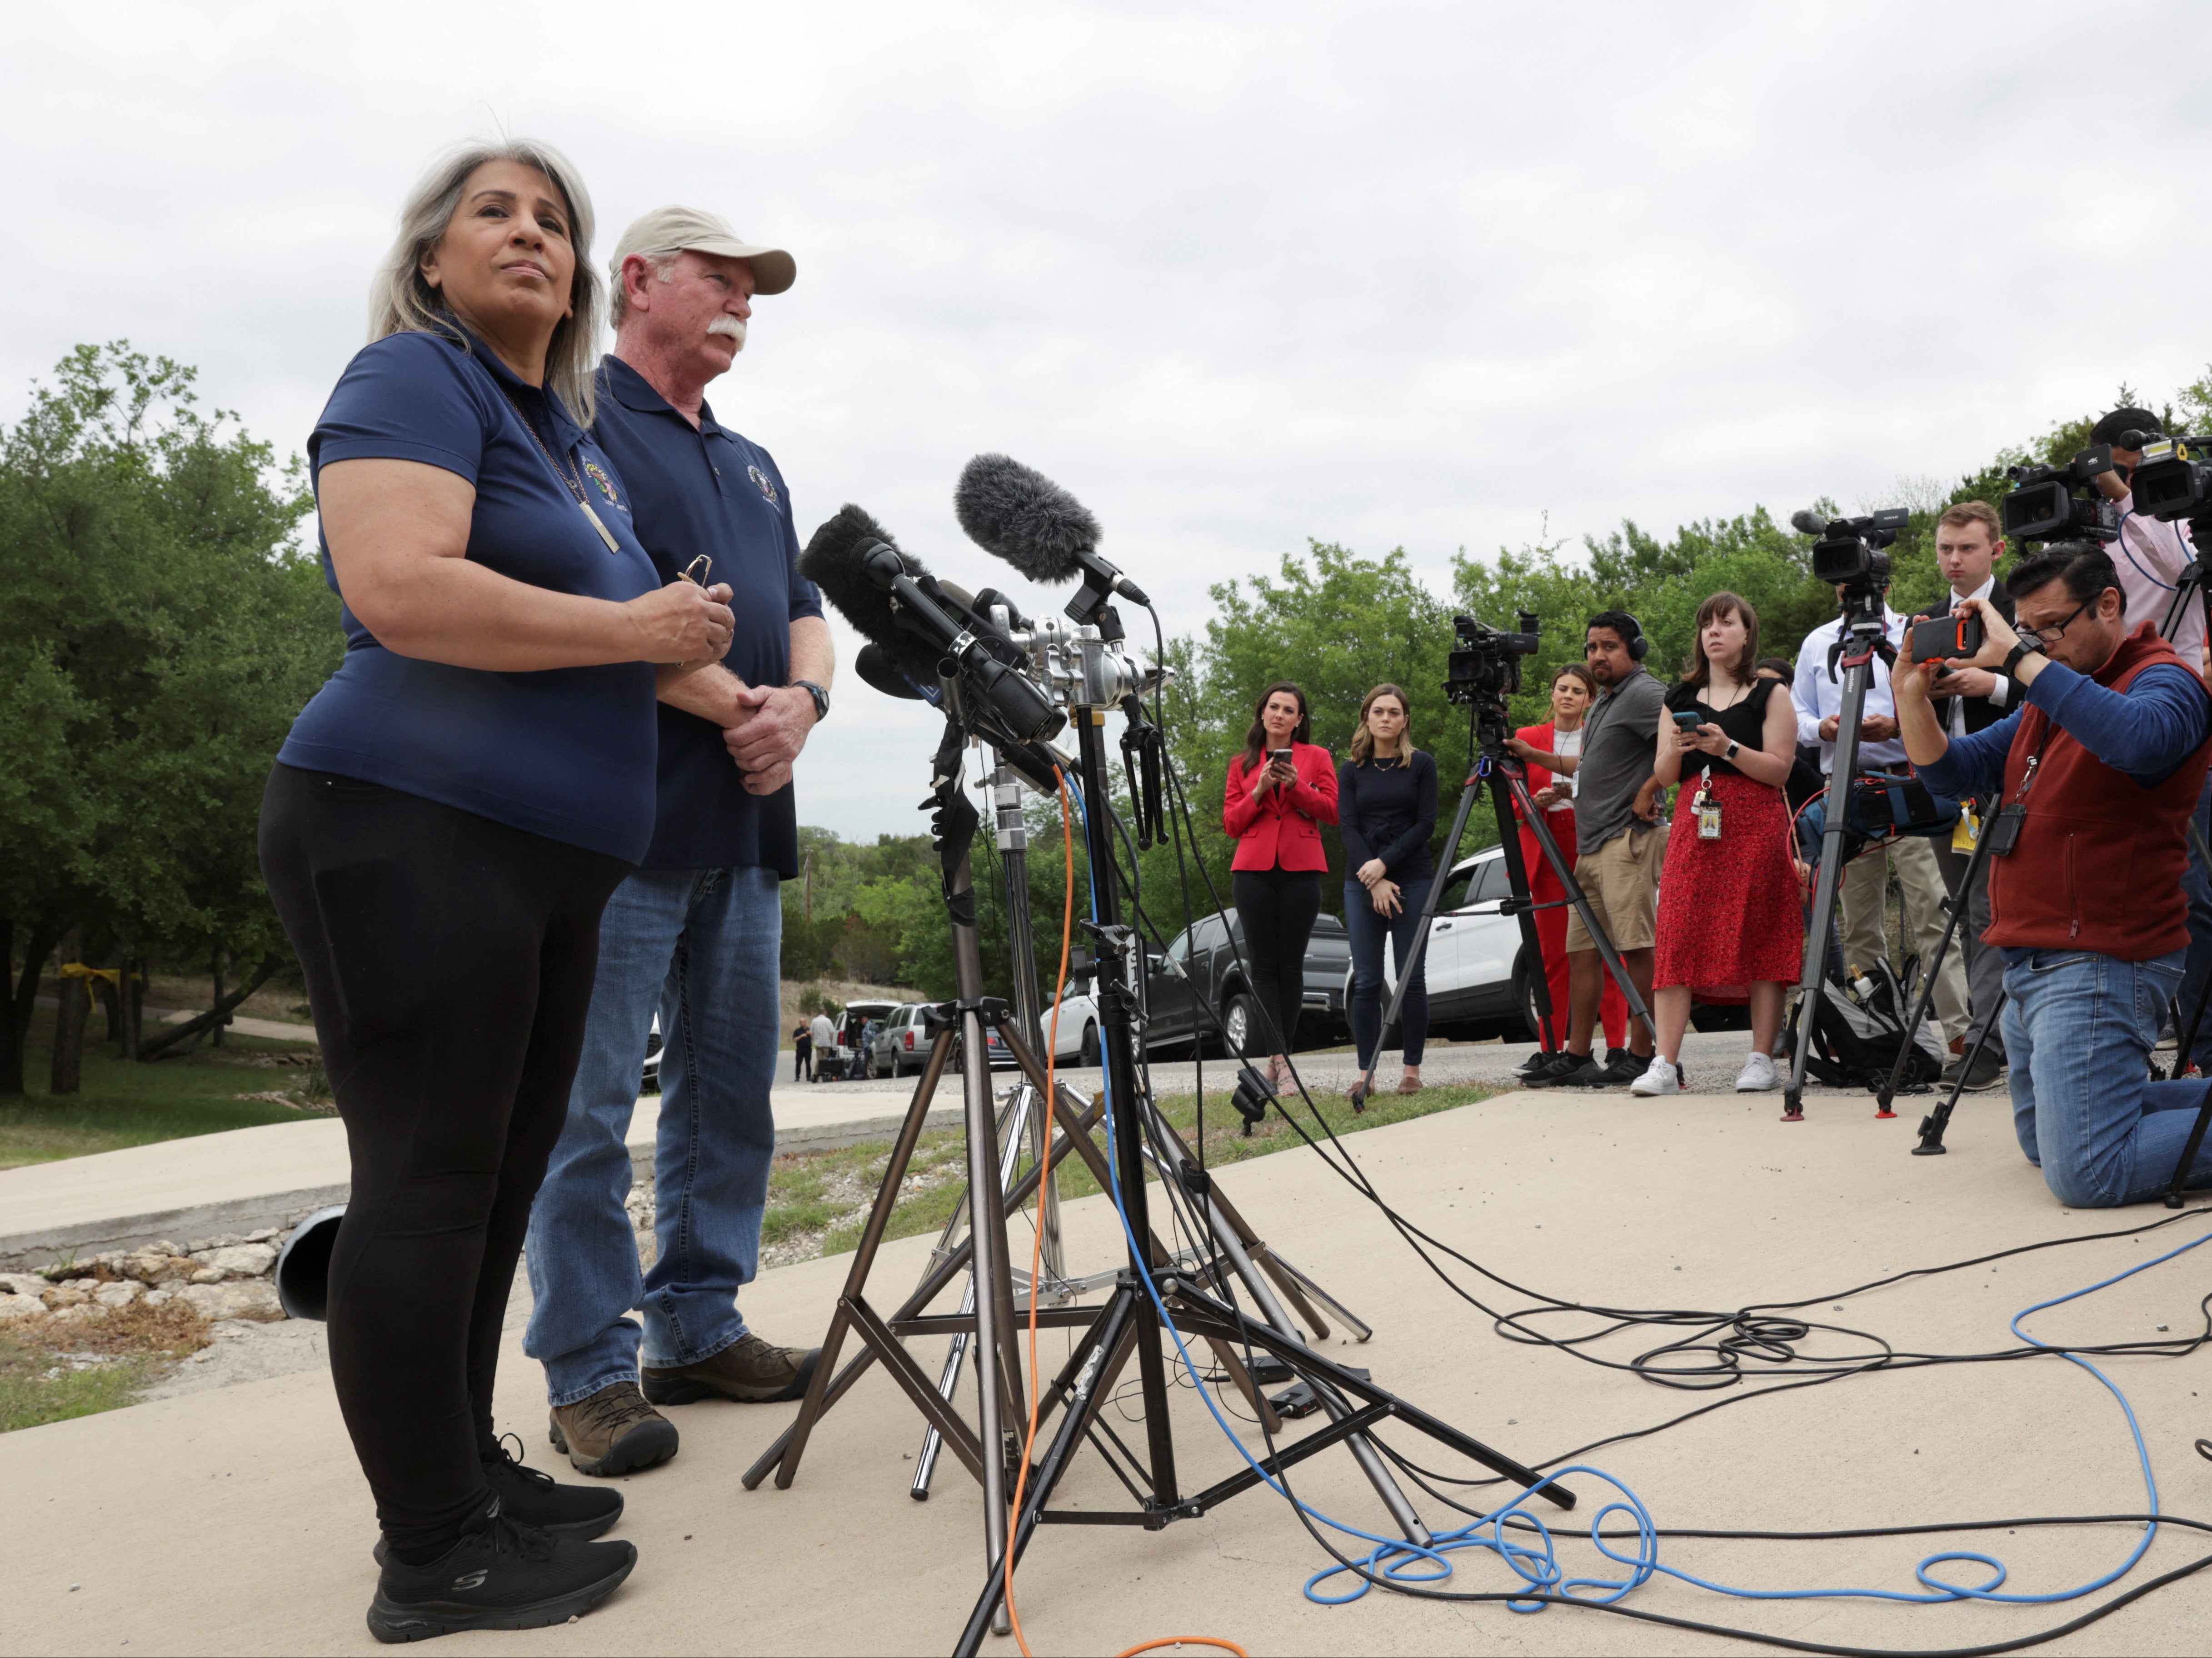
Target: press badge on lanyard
(1708,811)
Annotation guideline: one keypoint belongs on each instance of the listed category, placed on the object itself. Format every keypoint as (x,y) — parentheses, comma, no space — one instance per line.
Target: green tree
(162,628)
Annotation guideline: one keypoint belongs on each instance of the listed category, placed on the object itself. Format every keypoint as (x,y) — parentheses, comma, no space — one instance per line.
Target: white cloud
(1382,274)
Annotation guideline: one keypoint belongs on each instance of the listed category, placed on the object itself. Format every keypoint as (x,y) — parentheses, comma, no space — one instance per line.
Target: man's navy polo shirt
(705,489)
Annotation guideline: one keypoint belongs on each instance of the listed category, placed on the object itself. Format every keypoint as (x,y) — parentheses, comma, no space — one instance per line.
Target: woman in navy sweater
(1387,811)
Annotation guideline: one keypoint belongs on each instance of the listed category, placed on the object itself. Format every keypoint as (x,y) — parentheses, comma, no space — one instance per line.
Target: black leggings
(1276,908)
(449,962)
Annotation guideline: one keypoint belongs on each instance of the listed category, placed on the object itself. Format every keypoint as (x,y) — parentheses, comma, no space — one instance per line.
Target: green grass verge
(834,1189)
(30,1393)
(132,1104)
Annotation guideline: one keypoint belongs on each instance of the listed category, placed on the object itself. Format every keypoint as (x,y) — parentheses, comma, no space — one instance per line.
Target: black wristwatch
(2013,655)
(821,697)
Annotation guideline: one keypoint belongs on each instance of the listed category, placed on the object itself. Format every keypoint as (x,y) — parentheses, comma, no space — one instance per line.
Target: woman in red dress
(1729,915)
(1572,692)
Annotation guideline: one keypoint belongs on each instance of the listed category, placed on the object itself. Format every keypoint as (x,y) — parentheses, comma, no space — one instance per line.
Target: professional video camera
(2061,503)
(1485,667)
(2173,480)
(1852,553)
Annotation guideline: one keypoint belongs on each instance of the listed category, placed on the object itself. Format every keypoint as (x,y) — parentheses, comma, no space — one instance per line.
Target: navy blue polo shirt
(705,489)
(564,752)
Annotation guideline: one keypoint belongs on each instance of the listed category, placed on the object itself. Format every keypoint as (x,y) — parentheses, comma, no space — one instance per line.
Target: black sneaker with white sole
(500,1575)
(534,1498)
(1543,1070)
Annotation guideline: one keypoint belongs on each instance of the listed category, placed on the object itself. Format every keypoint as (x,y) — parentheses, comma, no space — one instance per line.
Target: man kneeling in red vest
(2097,774)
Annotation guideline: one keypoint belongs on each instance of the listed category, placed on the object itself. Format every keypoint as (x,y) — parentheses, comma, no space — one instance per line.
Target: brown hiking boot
(614,1431)
(749,1368)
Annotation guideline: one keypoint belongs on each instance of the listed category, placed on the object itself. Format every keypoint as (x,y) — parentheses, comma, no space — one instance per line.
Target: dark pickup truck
(1199,966)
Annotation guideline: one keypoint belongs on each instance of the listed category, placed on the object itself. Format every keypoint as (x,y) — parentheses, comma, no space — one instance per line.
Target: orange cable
(1037,1256)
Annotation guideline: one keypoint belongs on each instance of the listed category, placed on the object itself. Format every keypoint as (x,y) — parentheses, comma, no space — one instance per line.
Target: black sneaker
(532,1498)
(1988,1067)
(1561,1071)
(1536,1061)
(1584,1072)
(1622,1068)
(500,1575)
(1542,1070)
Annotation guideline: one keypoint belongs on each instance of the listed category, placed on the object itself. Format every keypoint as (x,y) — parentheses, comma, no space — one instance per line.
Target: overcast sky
(1433,276)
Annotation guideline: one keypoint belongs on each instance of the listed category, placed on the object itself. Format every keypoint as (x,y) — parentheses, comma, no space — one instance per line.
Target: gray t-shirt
(1618,739)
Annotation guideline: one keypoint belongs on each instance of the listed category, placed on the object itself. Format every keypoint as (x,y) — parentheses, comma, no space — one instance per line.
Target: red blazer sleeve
(1537,737)
(1239,811)
(1314,794)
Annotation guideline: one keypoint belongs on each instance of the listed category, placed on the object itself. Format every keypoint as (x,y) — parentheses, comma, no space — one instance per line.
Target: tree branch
(218,1014)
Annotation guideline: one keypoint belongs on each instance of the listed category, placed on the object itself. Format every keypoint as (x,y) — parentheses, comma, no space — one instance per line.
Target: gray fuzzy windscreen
(1025,517)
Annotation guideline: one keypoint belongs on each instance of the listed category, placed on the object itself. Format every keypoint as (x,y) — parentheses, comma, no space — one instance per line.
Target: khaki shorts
(1621,881)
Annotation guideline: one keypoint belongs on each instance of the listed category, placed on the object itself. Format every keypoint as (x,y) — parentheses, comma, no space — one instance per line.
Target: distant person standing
(1573,690)
(695,934)
(1280,792)
(1386,796)
(802,1054)
(825,1044)
(439,834)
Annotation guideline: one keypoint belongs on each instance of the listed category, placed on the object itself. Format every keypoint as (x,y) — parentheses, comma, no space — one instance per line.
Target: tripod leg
(1932,1124)
(2189,1151)
(784,1454)
(1580,900)
(1517,875)
(1826,884)
(1956,908)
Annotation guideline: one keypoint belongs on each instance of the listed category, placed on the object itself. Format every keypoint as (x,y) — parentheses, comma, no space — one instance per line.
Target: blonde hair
(402,302)
(1363,740)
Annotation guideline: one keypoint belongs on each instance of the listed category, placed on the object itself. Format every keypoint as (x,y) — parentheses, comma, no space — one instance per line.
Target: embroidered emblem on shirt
(760,479)
(598,474)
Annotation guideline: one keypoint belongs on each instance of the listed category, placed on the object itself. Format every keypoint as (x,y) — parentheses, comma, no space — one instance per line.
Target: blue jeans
(2079,1029)
(1368,930)
(701,946)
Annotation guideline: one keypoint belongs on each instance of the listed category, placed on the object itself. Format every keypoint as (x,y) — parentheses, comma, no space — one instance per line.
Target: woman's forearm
(450,610)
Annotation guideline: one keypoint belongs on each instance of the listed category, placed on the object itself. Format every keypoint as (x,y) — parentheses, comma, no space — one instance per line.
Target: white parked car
(1076,1038)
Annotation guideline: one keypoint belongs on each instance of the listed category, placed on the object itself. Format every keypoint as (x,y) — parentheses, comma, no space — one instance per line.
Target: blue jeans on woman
(702,947)
(2079,1029)
(1368,931)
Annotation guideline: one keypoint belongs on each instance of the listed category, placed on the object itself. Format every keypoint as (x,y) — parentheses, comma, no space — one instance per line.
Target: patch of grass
(49,1373)
(807,1191)
(131,1104)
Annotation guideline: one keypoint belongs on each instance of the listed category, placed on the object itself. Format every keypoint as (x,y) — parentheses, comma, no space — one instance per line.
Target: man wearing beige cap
(694,935)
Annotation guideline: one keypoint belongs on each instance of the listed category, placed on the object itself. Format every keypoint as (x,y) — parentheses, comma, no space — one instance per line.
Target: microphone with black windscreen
(892,602)
(874,665)
(1022,516)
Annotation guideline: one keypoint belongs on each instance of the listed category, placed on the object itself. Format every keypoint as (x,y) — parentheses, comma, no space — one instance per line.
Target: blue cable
(1395,1560)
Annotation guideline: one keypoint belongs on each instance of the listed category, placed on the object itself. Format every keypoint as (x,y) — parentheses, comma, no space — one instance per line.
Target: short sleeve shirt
(1618,739)
(567,753)
(706,490)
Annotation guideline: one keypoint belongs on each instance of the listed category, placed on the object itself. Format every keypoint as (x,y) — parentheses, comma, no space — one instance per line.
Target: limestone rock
(80,1312)
(207,1275)
(160,1297)
(148,1267)
(237,1261)
(62,1295)
(251,1298)
(23,1284)
(119,1295)
(13,1310)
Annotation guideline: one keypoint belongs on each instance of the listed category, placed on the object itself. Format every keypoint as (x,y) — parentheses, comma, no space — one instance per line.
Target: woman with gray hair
(440,833)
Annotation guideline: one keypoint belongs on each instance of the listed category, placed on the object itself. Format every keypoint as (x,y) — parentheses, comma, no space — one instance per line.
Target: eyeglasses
(699,569)
(2045,637)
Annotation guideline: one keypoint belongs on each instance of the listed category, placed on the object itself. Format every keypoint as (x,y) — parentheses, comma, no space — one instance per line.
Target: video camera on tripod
(2061,503)
(2173,480)
(1852,553)
(1484,668)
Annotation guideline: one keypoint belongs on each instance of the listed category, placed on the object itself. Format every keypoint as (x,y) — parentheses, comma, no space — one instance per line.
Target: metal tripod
(1492,763)
(1147,1299)
(1865,634)
(1954,912)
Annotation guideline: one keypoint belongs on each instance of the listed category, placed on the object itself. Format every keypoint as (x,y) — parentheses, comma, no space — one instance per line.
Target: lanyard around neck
(573,483)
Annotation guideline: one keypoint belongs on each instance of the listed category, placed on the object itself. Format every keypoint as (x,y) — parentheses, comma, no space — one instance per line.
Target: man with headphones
(1622,846)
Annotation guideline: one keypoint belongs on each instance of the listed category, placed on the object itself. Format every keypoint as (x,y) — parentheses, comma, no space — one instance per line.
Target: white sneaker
(1757,1075)
(1662,1078)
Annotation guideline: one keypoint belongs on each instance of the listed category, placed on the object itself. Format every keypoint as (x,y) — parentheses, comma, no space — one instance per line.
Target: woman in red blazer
(1281,791)
(1572,692)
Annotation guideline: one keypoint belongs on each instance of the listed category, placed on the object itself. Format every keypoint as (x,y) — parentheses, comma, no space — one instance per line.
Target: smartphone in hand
(1947,636)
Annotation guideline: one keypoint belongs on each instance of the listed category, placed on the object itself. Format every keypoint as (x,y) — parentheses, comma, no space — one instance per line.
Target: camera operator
(1622,842)
(2098,772)
(1818,695)
(2150,557)
(1969,540)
